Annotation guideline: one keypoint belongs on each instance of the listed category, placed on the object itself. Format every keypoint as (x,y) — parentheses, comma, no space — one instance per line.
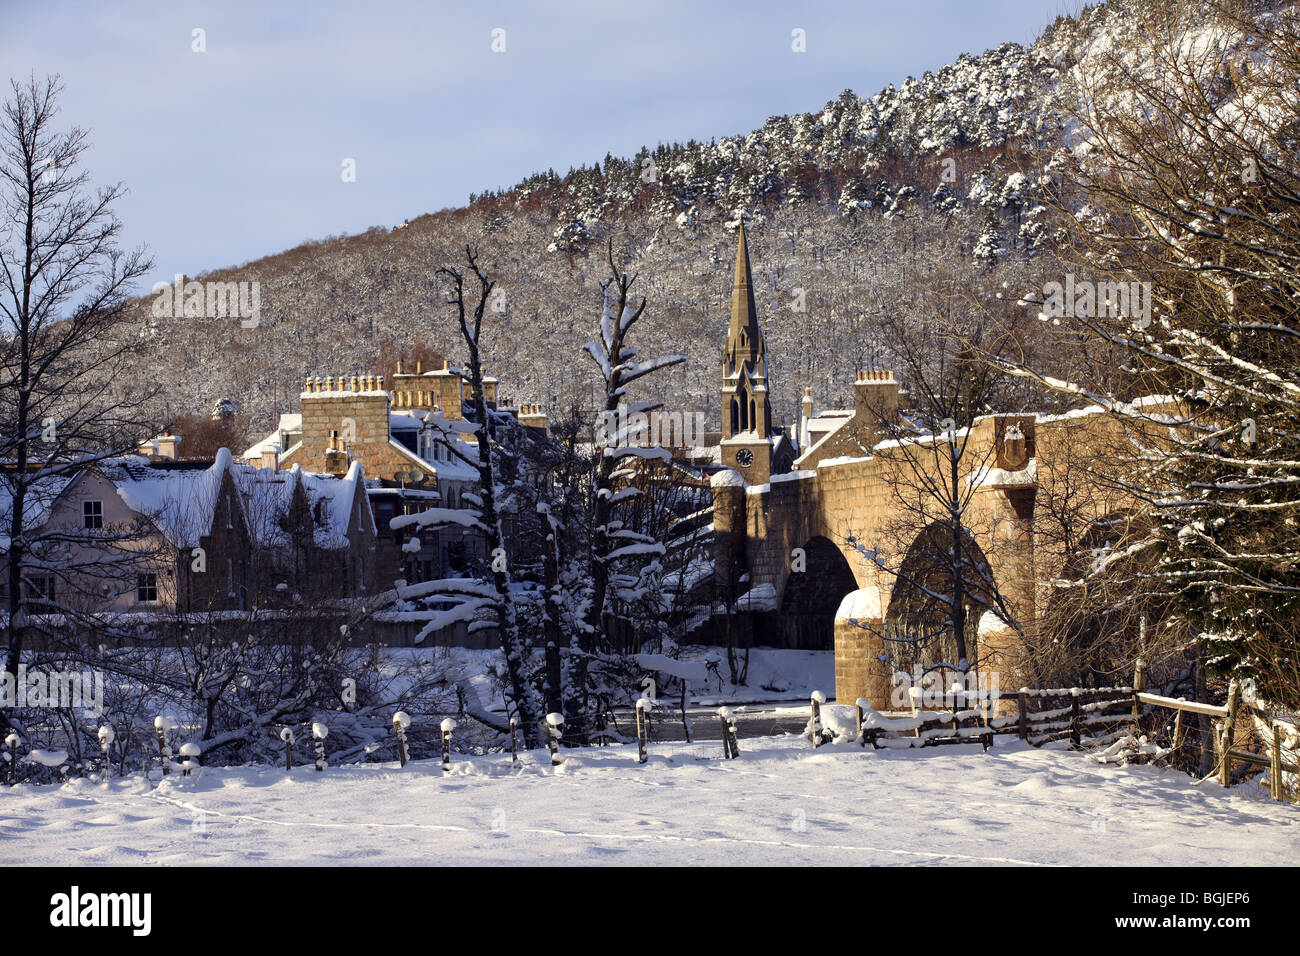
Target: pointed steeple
(744,337)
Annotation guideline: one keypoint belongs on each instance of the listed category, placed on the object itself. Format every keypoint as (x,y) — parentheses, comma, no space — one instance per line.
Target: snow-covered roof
(180,501)
(289,424)
(336,496)
(268,498)
(825,425)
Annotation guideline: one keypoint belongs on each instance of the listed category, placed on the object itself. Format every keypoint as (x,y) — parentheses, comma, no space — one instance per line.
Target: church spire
(746,409)
(744,337)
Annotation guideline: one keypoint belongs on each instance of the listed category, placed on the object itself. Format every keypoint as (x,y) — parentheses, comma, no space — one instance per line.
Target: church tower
(747,439)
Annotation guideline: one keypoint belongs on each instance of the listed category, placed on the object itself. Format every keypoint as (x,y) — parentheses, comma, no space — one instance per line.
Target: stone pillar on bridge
(859,671)
(1007,496)
(729,532)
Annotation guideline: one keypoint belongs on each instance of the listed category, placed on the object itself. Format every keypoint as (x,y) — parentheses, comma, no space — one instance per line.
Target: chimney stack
(875,397)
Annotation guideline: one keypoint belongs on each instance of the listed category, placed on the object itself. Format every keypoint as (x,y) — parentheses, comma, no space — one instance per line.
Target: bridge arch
(1090,598)
(813,595)
(917,630)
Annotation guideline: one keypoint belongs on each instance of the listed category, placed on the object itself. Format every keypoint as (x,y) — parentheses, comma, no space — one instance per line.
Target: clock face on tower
(744,458)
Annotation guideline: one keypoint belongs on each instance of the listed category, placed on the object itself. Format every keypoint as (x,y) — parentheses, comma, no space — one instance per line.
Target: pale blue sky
(235,153)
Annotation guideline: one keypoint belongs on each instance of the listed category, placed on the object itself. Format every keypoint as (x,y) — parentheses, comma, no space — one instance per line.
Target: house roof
(180,501)
(268,498)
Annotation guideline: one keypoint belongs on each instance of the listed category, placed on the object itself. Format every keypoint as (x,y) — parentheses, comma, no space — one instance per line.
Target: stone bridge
(791,550)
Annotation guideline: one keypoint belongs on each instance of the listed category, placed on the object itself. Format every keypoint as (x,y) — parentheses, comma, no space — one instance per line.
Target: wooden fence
(1097,714)
(1042,715)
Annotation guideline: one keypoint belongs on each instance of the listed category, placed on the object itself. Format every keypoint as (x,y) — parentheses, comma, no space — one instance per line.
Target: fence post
(11,742)
(400,722)
(723,713)
(641,704)
(730,746)
(320,732)
(862,717)
(914,693)
(553,724)
(286,734)
(1275,763)
(447,726)
(1074,716)
(190,751)
(514,741)
(161,725)
(1229,725)
(106,736)
(1139,685)
(818,698)
(1023,724)
(958,698)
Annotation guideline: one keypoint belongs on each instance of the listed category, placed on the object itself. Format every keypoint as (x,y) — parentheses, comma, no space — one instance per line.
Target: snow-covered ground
(779,803)
(775,674)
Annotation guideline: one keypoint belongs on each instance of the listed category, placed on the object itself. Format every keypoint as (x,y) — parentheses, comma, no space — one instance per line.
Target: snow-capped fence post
(1139,685)
(161,725)
(190,755)
(641,704)
(106,736)
(1074,717)
(1275,763)
(514,740)
(400,722)
(914,694)
(818,698)
(958,700)
(286,734)
(730,750)
(320,732)
(553,724)
(447,726)
(11,754)
(1022,699)
(861,719)
(1229,726)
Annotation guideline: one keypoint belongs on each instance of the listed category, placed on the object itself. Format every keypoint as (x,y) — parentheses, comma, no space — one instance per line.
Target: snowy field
(780,803)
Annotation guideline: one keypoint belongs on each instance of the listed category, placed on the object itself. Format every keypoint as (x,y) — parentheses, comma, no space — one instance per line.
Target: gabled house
(314,536)
(154,534)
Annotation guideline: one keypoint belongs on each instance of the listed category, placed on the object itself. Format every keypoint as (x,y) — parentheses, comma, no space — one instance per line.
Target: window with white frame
(92,514)
(146,587)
